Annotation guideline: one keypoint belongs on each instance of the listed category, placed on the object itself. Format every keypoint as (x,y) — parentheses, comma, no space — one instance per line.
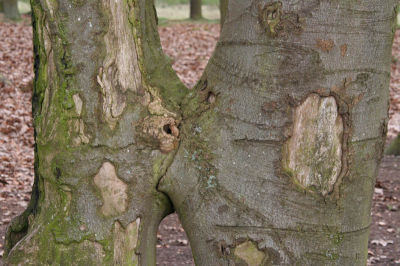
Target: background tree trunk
(10,9)
(394,147)
(195,9)
(270,159)
(223,6)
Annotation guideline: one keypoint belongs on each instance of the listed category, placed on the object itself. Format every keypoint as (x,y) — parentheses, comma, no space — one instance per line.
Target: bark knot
(271,17)
(164,130)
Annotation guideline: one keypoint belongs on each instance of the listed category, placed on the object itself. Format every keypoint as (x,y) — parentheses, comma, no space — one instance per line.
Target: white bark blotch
(113,190)
(120,71)
(314,150)
(249,253)
(125,242)
(78,104)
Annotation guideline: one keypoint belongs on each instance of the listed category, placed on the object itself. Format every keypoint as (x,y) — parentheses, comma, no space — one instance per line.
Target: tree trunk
(223,7)
(10,9)
(195,9)
(394,147)
(270,159)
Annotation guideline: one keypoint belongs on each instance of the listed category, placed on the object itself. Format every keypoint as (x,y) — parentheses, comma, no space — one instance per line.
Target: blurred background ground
(189,46)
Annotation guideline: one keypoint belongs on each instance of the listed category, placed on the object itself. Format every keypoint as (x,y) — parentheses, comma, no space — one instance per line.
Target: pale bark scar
(249,253)
(313,153)
(125,243)
(120,70)
(78,104)
(113,190)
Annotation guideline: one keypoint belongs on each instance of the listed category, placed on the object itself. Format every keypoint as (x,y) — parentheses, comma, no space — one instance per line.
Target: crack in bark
(228,228)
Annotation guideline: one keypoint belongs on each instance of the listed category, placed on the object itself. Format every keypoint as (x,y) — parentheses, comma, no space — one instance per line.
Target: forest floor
(189,46)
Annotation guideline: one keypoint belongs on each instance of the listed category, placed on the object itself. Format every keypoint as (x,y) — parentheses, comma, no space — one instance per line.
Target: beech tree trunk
(270,160)
(10,9)
(223,7)
(394,147)
(195,9)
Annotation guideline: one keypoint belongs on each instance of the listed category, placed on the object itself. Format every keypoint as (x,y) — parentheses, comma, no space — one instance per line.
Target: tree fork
(270,159)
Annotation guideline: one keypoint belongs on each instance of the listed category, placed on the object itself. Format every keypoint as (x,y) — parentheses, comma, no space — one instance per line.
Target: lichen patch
(113,190)
(313,153)
(249,253)
(125,242)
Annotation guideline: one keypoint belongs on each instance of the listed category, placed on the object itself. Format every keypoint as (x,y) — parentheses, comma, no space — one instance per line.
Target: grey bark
(195,9)
(10,9)
(270,160)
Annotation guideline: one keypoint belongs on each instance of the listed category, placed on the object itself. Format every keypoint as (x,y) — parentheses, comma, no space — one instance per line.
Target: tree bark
(10,9)
(270,160)
(394,147)
(104,99)
(195,9)
(223,7)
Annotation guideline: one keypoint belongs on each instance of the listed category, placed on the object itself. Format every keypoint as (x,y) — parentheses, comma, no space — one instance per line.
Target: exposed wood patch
(313,153)
(120,71)
(249,253)
(125,242)
(113,190)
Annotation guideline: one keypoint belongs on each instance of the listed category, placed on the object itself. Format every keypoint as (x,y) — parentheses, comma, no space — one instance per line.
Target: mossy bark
(100,74)
(10,9)
(121,143)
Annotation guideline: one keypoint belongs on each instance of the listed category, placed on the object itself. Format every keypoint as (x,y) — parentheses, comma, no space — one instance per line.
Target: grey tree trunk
(270,160)
(195,9)
(223,7)
(394,147)
(10,9)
